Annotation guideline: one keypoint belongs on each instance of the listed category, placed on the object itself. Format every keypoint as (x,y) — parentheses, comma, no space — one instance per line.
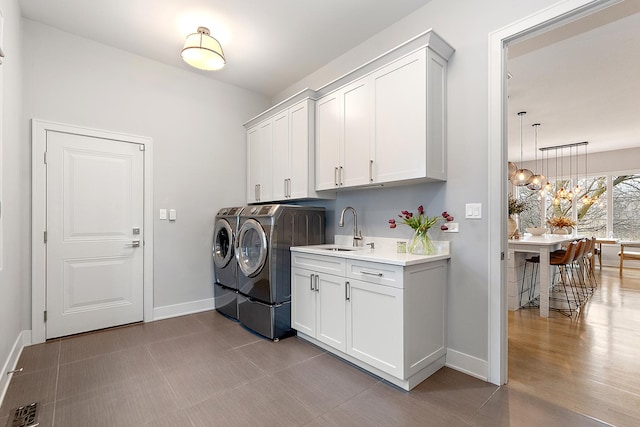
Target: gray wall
(14,191)
(466,25)
(195,123)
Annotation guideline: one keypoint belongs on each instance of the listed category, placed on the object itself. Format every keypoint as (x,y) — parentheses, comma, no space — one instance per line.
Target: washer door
(251,248)
(222,243)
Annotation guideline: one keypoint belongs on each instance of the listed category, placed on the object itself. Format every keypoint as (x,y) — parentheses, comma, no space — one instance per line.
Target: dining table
(542,245)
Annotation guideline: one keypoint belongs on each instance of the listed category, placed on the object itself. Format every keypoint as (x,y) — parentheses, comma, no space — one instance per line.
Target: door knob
(133,244)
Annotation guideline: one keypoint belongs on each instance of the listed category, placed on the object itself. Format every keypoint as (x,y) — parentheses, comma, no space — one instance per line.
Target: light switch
(163,214)
(172,214)
(473,210)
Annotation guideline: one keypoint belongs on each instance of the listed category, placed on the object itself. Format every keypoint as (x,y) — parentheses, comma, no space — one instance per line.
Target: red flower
(420,210)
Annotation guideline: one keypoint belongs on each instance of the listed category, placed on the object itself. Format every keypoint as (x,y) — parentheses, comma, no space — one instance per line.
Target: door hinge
(501,256)
(45,237)
(45,315)
(45,158)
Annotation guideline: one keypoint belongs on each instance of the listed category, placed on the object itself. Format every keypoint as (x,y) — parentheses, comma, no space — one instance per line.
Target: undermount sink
(339,249)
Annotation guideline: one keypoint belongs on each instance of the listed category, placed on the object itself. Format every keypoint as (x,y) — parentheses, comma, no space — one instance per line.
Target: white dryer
(265,234)
(225,265)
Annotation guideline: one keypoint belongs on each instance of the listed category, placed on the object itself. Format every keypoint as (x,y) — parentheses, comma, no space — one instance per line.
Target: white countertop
(385,252)
(545,239)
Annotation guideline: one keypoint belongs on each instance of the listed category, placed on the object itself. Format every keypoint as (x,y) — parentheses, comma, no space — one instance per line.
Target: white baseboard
(182,309)
(470,365)
(24,339)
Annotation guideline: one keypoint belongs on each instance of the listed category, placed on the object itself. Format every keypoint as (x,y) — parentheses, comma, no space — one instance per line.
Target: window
(592,207)
(607,206)
(626,207)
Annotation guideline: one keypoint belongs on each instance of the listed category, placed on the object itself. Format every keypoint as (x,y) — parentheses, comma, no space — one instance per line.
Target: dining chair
(627,254)
(563,279)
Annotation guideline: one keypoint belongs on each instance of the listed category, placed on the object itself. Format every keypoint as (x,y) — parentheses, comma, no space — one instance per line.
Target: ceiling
(269,45)
(578,80)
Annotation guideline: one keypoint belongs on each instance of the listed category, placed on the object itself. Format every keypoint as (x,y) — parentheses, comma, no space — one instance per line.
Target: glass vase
(421,244)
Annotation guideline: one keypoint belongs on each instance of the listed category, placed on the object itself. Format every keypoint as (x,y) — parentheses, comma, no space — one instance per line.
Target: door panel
(94,203)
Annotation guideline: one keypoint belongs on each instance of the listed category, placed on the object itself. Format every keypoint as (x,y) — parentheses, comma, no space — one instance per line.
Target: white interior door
(94,266)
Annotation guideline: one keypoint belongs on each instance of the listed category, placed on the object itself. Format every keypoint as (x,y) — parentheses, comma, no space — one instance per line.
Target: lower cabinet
(388,319)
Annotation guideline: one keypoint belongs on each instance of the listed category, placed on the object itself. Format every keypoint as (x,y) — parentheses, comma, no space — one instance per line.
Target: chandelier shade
(203,51)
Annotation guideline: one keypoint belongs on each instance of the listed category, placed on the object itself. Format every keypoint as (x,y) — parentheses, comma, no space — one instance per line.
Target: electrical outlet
(452,227)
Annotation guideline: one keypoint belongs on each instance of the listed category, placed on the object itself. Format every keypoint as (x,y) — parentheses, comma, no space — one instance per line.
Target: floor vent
(24,416)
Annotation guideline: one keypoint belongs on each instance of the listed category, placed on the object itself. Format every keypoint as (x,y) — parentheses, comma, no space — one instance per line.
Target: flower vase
(421,244)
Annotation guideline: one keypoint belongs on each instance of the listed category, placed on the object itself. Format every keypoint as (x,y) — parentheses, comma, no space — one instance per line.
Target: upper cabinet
(387,125)
(280,155)
(342,138)
(381,124)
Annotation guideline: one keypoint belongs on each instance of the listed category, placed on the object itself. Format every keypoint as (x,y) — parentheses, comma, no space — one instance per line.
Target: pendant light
(522,176)
(512,169)
(203,51)
(570,192)
(537,180)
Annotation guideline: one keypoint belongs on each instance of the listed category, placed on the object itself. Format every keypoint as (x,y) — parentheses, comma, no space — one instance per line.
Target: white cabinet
(408,119)
(319,310)
(388,319)
(259,149)
(281,154)
(342,139)
(387,126)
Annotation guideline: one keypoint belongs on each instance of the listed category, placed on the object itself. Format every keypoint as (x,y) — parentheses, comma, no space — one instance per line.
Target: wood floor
(589,363)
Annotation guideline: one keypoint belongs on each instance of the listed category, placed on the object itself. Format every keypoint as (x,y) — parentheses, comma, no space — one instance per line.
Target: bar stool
(563,261)
(581,293)
(530,303)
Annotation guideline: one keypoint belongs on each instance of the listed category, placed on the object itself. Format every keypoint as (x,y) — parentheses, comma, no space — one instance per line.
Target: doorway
(92,234)
(558,14)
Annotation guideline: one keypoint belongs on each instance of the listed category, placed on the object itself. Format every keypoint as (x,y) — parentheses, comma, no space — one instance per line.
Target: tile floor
(206,370)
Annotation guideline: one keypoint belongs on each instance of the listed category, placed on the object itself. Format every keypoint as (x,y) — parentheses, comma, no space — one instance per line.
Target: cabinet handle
(370,170)
(311,276)
(317,283)
(335,175)
(371,273)
(288,187)
(340,174)
(347,291)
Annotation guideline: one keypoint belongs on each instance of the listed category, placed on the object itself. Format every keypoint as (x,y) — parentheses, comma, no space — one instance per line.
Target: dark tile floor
(206,370)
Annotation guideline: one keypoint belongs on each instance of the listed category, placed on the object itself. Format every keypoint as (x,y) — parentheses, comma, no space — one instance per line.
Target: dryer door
(222,243)
(251,248)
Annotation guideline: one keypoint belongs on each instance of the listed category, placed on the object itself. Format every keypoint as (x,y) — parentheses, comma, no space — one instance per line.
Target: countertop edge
(373,255)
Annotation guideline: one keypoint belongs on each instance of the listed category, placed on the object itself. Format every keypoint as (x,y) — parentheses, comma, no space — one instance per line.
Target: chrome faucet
(357,235)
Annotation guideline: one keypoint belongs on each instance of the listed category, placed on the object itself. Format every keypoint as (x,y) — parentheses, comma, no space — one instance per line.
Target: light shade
(521,177)
(203,51)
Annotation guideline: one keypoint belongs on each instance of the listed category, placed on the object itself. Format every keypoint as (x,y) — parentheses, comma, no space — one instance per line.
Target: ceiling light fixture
(522,176)
(203,51)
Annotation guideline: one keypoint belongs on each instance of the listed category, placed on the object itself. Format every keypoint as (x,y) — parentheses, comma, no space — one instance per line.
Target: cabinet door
(303,301)
(331,314)
(375,325)
(356,114)
(400,120)
(259,142)
(281,161)
(298,186)
(253,170)
(327,142)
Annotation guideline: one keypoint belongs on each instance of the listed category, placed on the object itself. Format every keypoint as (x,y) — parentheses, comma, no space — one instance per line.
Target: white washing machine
(225,264)
(265,234)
